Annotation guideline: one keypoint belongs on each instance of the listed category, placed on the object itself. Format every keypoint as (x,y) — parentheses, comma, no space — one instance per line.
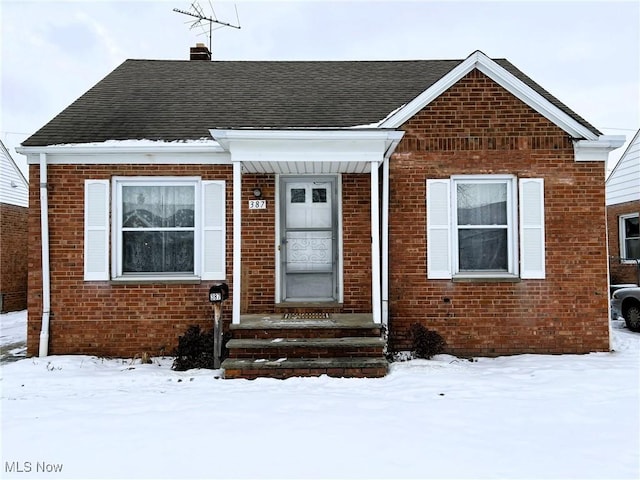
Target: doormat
(307,316)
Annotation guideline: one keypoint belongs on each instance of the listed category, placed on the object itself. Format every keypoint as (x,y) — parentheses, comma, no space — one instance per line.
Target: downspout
(46,283)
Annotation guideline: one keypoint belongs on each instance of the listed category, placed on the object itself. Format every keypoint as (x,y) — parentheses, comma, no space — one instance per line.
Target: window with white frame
(482,226)
(630,236)
(155,228)
(161,228)
(484,223)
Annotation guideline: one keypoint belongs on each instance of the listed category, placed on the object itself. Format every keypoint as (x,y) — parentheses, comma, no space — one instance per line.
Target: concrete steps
(274,347)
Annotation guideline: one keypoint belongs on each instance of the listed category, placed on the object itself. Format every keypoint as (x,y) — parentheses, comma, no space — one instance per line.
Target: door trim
(279,294)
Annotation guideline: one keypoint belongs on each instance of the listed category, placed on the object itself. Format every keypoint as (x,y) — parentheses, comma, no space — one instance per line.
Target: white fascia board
(503,78)
(597,150)
(224,136)
(114,152)
(331,145)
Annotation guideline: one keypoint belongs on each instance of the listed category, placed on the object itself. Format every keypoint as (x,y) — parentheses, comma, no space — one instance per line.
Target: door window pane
(319,195)
(298,195)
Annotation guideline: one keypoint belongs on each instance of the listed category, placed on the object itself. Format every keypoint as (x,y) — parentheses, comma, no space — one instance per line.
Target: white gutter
(46,285)
(597,150)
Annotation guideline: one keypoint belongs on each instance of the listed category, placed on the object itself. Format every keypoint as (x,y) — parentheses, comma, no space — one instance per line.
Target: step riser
(304,333)
(283,373)
(306,352)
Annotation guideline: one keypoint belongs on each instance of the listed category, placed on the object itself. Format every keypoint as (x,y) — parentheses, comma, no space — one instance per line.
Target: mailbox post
(217,294)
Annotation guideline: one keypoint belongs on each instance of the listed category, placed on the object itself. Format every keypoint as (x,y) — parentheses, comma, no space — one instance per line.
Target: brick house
(341,201)
(14,203)
(623,211)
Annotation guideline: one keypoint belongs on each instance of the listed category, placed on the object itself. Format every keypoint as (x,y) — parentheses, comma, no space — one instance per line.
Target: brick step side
(306,347)
(333,367)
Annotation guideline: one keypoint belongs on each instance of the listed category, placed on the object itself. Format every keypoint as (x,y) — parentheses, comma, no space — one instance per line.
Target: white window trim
(512,227)
(622,237)
(116,228)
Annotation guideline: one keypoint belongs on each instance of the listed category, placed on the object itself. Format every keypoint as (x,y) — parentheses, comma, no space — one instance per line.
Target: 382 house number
(257,204)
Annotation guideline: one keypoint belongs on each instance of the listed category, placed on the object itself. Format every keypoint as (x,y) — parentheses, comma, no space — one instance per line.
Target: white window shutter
(438,229)
(213,230)
(96,230)
(532,242)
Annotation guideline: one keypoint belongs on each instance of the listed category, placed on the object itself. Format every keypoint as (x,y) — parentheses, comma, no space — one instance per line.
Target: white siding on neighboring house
(14,188)
(623,184)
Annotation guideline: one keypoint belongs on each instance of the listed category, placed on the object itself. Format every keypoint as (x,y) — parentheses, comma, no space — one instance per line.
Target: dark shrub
(195,350)
(425,343)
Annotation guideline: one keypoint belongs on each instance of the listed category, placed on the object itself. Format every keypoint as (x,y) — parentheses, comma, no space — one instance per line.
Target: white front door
(308,248)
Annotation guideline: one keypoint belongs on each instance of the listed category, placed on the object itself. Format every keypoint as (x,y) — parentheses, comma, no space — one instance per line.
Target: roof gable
(14,188)
(623,184)
(538,99)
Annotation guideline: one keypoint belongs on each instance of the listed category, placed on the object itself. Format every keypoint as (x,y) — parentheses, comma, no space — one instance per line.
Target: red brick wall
(477,127)
(356,225)
(259,244)
(100,318)
(13,257)
(620,272)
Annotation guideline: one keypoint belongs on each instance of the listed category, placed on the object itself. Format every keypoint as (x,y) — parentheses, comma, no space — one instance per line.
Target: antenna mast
(197,12)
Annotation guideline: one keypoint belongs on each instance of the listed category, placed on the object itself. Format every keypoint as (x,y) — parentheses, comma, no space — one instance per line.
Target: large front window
(157,228)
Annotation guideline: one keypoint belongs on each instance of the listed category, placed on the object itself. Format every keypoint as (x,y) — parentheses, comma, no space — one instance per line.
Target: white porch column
(237,241)
(375,246)
(385,242)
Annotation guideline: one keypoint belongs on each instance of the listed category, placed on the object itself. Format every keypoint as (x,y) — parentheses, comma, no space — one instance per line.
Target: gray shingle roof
(181,100)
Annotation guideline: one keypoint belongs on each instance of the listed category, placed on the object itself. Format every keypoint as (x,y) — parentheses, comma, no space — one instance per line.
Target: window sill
(141,280)
(487,278)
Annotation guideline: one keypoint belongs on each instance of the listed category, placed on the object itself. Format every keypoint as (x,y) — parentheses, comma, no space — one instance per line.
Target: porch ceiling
(302,167)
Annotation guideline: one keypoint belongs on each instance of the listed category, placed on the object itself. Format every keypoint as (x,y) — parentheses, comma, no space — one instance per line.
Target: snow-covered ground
(525,416)
(13,335)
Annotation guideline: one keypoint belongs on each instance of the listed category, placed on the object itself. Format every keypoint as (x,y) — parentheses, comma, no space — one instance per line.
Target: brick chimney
(200,52)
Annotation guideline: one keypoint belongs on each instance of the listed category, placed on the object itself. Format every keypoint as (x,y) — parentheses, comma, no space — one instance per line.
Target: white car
(626,302)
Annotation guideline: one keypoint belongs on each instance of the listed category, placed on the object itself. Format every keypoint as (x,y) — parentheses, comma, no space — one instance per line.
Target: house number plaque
(257,204)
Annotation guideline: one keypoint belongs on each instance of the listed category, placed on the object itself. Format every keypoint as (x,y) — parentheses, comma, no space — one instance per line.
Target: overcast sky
(586,53)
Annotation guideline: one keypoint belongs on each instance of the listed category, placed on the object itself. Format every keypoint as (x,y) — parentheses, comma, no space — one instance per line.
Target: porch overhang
(311,151)
(308,151)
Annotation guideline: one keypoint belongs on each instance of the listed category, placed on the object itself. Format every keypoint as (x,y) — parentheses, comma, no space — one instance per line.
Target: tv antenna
(197,12)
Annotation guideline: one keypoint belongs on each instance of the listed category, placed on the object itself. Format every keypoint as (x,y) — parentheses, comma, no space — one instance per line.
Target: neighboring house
(14,212)
(623,212)
(337,199)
